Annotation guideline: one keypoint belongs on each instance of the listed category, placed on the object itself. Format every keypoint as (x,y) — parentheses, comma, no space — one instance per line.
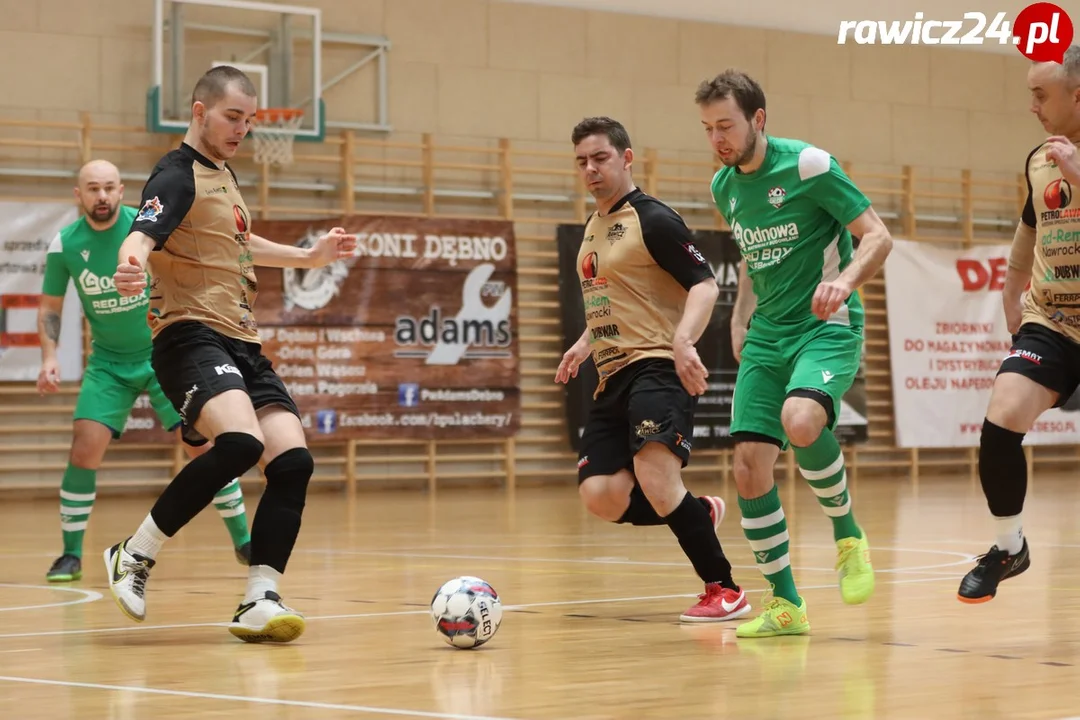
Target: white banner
(947,339)
(26,229)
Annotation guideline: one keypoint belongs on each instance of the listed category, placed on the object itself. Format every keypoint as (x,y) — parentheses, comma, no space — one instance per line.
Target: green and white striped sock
(765,528)
(229,502)
(822,464)
(78,489)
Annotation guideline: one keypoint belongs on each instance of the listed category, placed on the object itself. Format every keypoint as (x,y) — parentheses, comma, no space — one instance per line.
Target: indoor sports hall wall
(482,97)
(481,69)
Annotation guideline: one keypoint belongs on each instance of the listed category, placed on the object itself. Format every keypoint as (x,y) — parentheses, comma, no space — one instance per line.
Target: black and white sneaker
(243,554)
(980,585)
(267,620)
(128,573)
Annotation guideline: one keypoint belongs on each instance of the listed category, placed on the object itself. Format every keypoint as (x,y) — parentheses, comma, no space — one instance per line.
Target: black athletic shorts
(194,363)
(1047,358)
(644,402)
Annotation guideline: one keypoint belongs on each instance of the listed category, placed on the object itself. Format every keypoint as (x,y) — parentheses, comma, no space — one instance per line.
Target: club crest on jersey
(776,196)
(150,210)
(615,232)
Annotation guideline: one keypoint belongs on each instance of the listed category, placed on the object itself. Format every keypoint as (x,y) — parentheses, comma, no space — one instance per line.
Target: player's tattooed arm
(49,309)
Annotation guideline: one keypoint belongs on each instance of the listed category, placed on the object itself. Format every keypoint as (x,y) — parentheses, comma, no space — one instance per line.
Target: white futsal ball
(467,612)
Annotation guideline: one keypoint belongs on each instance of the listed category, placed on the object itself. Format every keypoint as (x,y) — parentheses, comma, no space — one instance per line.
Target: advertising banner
(414,337)
(26,229)
(947,339)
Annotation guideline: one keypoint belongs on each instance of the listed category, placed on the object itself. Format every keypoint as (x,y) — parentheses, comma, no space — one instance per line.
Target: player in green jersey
(118,370)
(796,330)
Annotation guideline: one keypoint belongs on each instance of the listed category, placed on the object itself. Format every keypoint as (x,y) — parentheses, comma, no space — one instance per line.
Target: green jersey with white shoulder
(79,252)
(789,218)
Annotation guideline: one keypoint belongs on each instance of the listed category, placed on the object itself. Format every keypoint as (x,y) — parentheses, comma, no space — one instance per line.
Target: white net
(273,133)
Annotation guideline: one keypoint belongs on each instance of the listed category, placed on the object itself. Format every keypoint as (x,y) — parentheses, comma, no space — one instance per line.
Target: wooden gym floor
(591,626)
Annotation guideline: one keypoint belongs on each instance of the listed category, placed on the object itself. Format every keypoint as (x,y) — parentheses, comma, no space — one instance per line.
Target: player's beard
(747,153)
(102,212)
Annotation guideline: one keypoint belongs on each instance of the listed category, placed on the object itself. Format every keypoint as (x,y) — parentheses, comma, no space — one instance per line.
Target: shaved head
(99,192)
(99,170)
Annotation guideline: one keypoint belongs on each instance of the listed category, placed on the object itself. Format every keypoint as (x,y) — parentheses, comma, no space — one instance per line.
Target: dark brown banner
(414,337)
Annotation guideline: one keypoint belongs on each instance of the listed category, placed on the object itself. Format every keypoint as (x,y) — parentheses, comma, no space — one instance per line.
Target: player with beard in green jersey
(796,330)
(118,369)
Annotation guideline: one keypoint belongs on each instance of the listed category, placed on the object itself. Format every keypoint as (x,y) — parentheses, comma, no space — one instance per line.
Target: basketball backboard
(278,46)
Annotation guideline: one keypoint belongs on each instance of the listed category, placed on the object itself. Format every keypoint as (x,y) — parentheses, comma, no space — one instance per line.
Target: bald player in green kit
(118,369)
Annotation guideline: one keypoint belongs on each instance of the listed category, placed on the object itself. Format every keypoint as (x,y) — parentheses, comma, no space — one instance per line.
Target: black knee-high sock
(1002,469)
(193,488)
(691,525)
(277,519)
(642,513)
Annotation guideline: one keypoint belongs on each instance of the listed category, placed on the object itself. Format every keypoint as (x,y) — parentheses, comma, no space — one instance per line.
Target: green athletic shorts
(820,364)
(109,391)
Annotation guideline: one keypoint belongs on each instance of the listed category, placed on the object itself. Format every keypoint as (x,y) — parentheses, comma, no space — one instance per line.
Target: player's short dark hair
(616,133)
(211,86)
(732,83)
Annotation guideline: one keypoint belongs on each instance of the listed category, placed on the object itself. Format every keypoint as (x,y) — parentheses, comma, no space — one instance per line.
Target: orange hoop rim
(276,114)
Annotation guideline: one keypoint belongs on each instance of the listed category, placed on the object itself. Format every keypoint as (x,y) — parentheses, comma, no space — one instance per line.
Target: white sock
(261,578)
(1010,534)
(147,540)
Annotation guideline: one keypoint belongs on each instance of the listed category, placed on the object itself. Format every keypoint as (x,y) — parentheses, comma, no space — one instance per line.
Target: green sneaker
(779,617)
(856,572)
(66,569)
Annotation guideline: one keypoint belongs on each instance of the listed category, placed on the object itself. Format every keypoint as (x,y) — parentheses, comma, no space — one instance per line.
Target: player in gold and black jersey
(195,229)
(1042,370)
(649,294)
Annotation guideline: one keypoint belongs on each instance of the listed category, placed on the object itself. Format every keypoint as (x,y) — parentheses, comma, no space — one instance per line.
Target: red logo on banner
(975,276)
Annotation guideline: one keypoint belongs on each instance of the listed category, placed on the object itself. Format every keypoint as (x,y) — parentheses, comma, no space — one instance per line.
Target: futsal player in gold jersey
(649,294)
(1042,370)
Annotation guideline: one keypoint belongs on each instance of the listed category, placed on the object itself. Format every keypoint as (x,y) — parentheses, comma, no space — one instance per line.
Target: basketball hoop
(273,131)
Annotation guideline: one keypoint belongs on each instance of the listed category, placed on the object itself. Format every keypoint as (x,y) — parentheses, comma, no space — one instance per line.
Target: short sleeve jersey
(1053,300)
(202,268)
(636,265)
(79,252)
(789,218)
